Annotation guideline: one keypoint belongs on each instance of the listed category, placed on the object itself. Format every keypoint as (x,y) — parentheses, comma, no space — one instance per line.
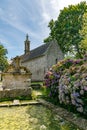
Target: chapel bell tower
(27,45)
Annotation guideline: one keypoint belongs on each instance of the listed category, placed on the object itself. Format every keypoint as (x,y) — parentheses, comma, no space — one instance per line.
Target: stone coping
(81,123)
(19,103)
(16,73)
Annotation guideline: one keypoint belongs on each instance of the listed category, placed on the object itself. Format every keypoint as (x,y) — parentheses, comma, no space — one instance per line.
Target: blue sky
(19,17)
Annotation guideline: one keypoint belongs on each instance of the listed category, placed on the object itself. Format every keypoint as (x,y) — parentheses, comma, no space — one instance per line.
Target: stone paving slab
(81,123)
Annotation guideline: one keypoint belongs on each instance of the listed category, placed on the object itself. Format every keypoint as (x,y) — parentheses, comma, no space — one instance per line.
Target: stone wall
(37,67)
(54,54)
(15,93)
(15,81)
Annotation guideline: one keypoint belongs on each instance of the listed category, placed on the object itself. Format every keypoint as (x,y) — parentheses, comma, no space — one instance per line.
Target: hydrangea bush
(67,83)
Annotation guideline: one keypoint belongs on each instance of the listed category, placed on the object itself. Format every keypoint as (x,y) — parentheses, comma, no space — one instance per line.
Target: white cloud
(50,10)
(29,16)
(54,4)
(14,22)
(15,18)
(64,3)
(6,43)
(1,12)
(46,16)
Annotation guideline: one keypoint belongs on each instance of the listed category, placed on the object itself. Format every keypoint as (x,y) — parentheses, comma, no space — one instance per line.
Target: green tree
(66,28)
(3,58)
(51,35)
(83,33)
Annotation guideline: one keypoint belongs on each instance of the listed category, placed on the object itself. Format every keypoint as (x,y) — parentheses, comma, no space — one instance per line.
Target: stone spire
(27,45)
(27,37)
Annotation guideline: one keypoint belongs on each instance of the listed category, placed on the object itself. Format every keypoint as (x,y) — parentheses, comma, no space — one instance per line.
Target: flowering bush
(73,88)
(51,82)
(67,82)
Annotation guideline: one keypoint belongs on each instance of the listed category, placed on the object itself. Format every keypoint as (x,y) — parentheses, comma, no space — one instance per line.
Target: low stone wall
(81,123)
(14,93)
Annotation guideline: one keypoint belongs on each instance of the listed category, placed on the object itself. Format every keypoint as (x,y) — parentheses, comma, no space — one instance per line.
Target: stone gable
(41,59)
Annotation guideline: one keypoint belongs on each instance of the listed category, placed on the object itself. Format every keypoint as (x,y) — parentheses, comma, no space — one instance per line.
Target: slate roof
(37,52)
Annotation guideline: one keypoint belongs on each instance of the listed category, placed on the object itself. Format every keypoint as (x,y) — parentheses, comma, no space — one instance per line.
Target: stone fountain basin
(14,93)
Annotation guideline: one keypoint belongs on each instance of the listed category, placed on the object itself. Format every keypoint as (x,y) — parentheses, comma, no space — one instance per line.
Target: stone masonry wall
(15,81)
(15,93)
(37,67)
(54,54)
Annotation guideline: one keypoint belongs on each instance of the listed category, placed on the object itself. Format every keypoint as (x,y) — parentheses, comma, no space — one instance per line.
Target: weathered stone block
(16,81)
(16,93)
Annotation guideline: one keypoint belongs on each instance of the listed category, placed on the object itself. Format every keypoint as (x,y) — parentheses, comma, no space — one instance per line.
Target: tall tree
(83,33)
(51,35)
(3,58)
(66,28)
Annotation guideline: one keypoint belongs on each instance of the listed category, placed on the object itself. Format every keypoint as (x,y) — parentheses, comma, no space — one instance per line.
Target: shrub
(73,89)
(67,83)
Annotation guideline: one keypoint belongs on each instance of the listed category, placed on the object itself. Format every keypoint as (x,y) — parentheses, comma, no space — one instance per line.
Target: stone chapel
(40,59)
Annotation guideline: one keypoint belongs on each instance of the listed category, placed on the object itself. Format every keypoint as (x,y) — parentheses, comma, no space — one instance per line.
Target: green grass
(32,117)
